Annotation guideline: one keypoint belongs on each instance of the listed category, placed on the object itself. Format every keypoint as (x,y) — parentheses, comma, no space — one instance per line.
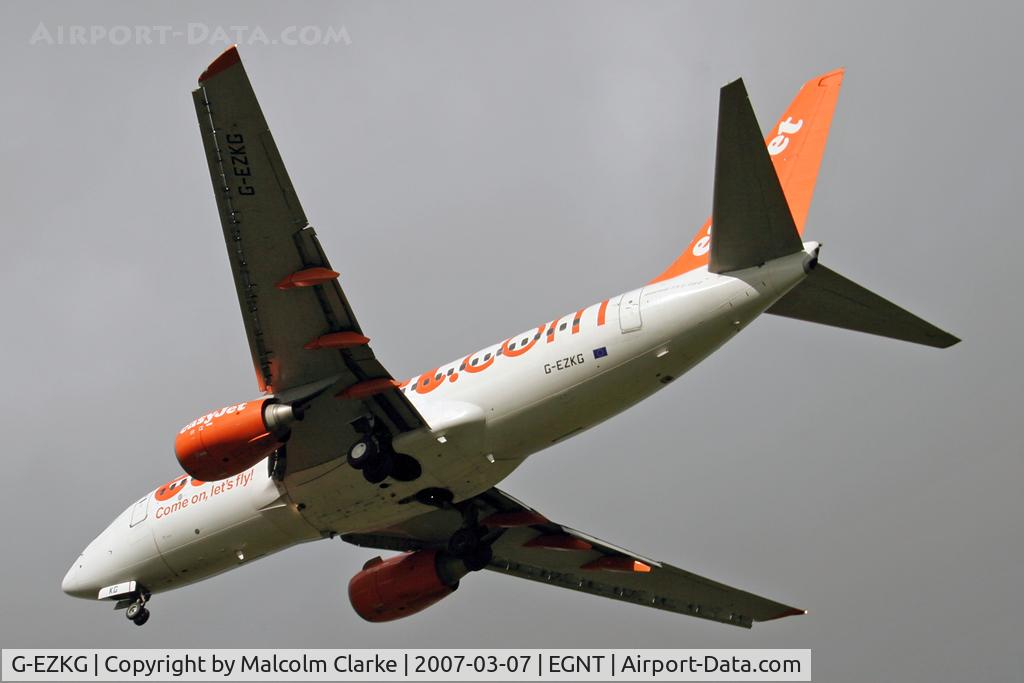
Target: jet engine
(399,586)
(228,441)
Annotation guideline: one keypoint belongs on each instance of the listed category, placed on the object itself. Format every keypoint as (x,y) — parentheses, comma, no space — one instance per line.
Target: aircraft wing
(300,326)
(529,546)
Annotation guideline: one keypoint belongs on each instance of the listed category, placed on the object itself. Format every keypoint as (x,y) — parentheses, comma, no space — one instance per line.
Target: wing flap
(660,585)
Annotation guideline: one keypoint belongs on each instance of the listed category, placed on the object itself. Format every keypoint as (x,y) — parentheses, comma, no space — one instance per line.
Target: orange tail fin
(796,144)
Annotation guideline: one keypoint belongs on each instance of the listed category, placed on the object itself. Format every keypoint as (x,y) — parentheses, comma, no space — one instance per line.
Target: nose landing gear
(136,612)
(131,597)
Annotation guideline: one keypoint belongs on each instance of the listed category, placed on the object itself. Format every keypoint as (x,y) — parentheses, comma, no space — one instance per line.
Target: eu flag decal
(601,352)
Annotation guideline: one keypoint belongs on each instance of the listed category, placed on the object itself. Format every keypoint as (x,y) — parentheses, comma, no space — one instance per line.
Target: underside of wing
(301,330)
(527,545)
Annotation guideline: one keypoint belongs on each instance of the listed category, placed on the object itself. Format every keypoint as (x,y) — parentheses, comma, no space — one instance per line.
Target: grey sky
(473,169)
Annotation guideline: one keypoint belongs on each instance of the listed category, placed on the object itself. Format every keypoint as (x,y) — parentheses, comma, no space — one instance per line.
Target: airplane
(337,447)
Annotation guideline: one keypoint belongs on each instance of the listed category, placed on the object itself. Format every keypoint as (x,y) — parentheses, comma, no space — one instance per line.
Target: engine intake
(228,441)
(403,585)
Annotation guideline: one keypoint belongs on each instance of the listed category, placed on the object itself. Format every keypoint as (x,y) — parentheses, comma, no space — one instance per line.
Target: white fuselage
(486,414)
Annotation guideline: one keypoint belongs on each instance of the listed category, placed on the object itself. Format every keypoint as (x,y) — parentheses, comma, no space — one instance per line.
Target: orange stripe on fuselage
(576,320)
(551,330)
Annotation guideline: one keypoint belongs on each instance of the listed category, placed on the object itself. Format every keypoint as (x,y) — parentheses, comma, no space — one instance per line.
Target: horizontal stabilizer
(828,298)
(750,220)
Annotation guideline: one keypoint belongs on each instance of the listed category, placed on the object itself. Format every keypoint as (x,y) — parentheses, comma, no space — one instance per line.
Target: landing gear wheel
(134,610)
(362,453)
(468,545)
(465,542)
(480,558)
(137,612)
(406,468)
(378,469)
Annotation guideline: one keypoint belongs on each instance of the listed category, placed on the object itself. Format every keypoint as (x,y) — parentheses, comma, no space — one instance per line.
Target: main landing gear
(470,544)
(376,459)
(472,541)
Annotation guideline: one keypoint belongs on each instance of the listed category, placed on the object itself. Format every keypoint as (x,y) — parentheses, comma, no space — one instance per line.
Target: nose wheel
(137,613)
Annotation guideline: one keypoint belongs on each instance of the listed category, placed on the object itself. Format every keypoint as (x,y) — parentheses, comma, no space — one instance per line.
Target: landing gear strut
(276,463)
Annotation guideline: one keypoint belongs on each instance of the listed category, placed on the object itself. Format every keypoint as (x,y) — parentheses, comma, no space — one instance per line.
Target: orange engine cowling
(231,440)
(403,585)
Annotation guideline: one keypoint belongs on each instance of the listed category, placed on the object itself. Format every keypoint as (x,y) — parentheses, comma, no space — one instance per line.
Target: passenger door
(139,512)
(629,311)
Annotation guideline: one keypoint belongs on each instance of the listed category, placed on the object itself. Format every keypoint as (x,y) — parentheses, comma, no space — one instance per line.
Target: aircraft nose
(75,583)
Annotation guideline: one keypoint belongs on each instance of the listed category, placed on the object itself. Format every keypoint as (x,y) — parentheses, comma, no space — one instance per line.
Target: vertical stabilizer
(796,145)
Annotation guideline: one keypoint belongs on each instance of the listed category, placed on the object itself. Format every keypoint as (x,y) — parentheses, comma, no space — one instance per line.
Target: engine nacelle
(403,585)
(228,441)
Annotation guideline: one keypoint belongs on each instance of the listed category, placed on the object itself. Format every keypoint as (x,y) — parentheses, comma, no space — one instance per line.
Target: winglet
(227,59)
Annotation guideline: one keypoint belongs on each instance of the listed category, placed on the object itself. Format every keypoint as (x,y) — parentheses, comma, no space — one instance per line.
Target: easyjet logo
(205,420)
(511,348)
(781,141)
(175,489)
(703,243)
(174,486)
